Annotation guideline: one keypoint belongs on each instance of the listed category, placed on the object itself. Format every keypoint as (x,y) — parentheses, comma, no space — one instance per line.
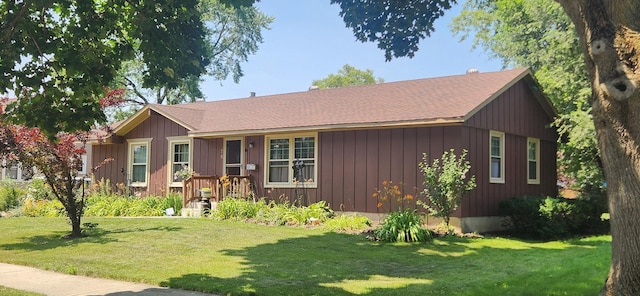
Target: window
(13,170)
(139,150)
(533,163)
(496,158)
(179,159)
(285,153)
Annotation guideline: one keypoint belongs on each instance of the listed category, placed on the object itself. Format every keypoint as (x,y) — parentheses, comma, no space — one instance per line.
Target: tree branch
(12,24)
(135,90)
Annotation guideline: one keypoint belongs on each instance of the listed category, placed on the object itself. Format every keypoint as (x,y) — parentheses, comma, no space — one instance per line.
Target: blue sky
(308,40)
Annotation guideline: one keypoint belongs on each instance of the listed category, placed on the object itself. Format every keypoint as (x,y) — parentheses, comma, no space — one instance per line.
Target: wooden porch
(221,187)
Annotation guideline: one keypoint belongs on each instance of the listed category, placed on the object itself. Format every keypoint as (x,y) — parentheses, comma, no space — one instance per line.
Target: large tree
(232,34)
(609,34)
(538,34)
(347,76)
(58,56)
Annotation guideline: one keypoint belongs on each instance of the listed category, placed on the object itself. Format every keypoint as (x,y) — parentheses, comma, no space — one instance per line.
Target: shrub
(313,214)
(445,182)
(113,205)
(238,209)
(10,195)
(42,208)
(39,190)
(403,225)
(551,218)
(272,213)
(344,223)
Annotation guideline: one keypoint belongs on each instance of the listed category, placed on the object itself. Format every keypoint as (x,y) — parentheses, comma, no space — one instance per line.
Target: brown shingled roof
(422,101)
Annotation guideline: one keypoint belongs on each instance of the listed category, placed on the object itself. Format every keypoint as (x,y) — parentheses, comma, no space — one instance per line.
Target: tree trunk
(610,35)
(74,214)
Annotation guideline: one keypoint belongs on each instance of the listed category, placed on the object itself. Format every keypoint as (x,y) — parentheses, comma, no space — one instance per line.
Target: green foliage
(39,190)
(347,76)
(42,208)
(313,214)
(75,48)
(552,218)
(232,34)
(397,26)
(238,209)
(403,226)
(445,182)
(114,205)
(538,34)
(347,223)
(10,195)
(271,213)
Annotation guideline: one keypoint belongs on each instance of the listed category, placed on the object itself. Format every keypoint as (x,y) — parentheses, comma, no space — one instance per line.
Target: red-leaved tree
(58,160)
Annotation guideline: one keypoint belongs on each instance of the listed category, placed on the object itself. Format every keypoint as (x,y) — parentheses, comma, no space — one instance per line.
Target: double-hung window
(139,151)
(291,160)
(179,159)
(533,161)
(496,158)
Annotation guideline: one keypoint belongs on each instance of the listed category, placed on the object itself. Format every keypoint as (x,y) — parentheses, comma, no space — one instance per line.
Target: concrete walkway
(58,284)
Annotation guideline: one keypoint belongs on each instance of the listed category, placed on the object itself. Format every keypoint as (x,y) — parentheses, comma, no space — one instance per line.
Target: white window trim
(224,155)
(500,135)
(83,170)
(173,141)
(6,169)
(290,183)
(537,160)
(131,143)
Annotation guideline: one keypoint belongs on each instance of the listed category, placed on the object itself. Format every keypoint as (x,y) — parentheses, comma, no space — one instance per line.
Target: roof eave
(332,127)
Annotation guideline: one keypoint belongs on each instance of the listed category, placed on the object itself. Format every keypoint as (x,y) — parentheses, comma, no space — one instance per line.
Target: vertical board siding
(337,171)
(355,163)
(156,127)
(370,168)
(349,171)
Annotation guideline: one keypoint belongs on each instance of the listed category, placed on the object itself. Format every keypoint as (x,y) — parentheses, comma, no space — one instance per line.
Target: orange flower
(408,196)
(379,205)
(375,194)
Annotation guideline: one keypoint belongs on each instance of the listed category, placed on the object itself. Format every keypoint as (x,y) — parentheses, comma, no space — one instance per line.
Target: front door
(233,157)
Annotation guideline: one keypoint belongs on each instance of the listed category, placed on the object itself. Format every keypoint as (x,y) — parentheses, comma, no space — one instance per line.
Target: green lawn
(4,291)
(236,258)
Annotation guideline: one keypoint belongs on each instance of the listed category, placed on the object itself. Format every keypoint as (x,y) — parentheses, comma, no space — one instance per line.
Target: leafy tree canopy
(397,29)
(232,35)
(57,56)
(348,76)
(538,34)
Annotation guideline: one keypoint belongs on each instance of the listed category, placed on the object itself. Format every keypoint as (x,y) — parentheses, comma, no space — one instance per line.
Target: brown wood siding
(354,163)
(517,112)
(156,127)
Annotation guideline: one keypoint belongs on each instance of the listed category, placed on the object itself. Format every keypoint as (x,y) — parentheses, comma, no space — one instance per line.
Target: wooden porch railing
(221,187)
(192,185)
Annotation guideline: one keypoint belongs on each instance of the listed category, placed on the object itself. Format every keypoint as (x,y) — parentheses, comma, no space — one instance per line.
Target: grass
(4,291)
(244,259)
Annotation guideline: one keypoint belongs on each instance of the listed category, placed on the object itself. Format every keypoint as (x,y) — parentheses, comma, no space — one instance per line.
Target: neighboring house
(350,140)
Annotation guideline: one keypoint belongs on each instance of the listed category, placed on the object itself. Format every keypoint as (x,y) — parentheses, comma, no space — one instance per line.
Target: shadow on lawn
(56,240)
(340,264)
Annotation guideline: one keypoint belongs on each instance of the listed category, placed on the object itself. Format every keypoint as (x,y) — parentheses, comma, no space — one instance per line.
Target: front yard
(239,259)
